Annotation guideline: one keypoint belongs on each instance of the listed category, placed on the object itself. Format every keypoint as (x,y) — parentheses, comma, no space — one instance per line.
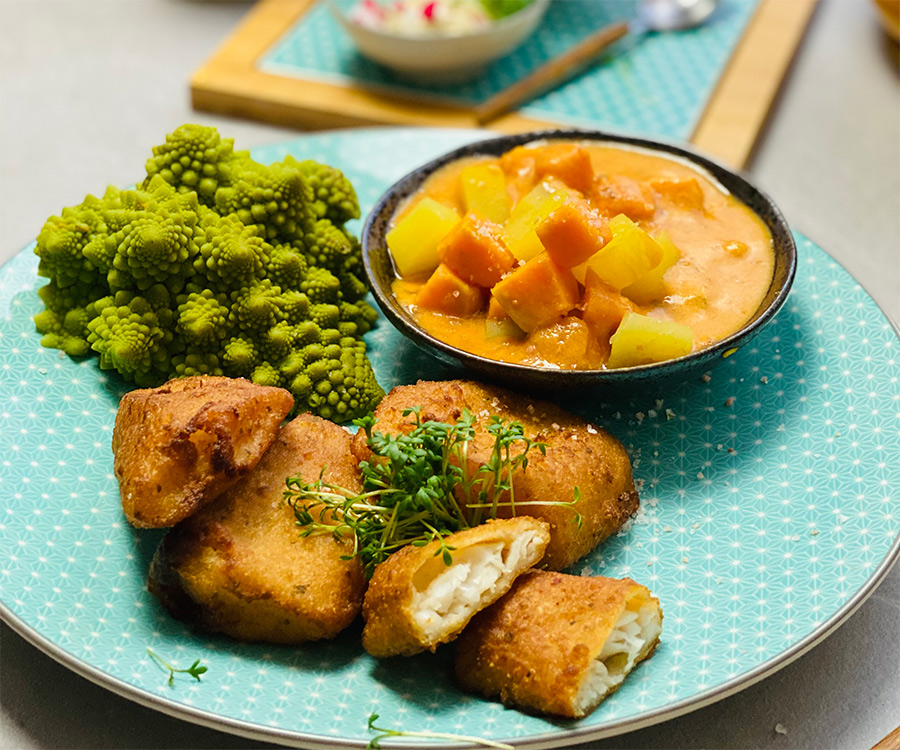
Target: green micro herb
(374,743)
(195,670)
(418,488)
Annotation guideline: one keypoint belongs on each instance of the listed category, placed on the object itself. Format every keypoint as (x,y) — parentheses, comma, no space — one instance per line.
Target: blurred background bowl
(381,273)
(441,58)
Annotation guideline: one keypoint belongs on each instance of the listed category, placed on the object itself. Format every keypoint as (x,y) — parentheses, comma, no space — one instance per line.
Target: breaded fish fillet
(178,446)
(558,644)
(240,566)
(415,601)
(578,454)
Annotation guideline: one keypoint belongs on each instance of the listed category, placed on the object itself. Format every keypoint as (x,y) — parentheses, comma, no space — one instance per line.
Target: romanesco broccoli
(216,264)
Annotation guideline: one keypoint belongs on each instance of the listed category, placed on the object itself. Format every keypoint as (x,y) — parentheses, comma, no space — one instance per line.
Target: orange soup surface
(577,255)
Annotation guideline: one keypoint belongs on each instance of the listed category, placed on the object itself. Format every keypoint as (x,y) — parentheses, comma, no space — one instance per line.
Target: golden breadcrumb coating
(415,601)
(240,565)
(178,446)
(537,647)
(578,454)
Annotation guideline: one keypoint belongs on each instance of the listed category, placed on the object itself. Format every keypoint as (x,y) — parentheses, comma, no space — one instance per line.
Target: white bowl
(443,59)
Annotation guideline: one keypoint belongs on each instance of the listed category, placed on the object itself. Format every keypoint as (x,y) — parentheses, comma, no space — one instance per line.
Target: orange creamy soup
(577,255)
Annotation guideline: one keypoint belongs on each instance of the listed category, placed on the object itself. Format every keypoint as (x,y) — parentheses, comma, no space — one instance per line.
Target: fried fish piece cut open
(240,566)
(559,644)
(578,454)
(178,446)
(415,601)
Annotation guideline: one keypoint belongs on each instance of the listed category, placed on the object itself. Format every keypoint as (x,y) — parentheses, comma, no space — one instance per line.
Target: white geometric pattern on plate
(763,519)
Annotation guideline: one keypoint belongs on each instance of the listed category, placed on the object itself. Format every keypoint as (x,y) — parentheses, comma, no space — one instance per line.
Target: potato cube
(603,307)
(617,194)
(641,340)
(650,287)
(475,252)
(627,257)
(567,162)
(541,201)
(537,293)
(413,241)
(484,191)
(446,293)
(498,323)
(573,232)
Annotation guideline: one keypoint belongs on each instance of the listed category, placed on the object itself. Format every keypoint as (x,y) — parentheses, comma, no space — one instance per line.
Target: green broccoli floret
(153,250)
(256,308)
(216,265)
(335,198)
(66,331)
(294,306)
(202,318)
(231,254)
(327,246)
(266,374)
(240,356)
(321,286)
(195,158)
(361,315)
(186,365)
(276,199)
(60,247)
(342,382)
(131,339)
(287,266)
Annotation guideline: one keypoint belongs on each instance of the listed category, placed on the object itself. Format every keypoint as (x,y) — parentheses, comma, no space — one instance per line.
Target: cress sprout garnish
(374,743)
(195,670)
(418,488)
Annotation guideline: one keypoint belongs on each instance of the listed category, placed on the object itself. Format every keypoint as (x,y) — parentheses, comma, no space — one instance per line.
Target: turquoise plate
(770,512)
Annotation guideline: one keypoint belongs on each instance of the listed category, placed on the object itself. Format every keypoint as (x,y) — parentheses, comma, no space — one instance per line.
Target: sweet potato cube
(541,201)
(567,162)
(603,307)
(413,241)
(650,287)
(521,176)
(537,293)
(484,191)
(475,252)
(627,257)
(684,193)
(640,340)
(446,293)
(573,232)
(618,194)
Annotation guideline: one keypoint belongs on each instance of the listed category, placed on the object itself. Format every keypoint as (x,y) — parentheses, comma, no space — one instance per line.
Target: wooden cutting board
(231,82)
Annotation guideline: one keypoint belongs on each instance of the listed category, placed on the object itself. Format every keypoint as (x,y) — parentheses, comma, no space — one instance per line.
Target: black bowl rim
(405,323)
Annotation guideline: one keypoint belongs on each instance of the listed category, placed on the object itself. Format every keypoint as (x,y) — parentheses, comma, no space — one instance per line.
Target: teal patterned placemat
(656,85)
(769,507)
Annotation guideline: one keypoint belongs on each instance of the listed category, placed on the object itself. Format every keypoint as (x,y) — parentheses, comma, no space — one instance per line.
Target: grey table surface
(86,85)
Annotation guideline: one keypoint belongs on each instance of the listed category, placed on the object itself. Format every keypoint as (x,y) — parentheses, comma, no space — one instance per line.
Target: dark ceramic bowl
(380,271)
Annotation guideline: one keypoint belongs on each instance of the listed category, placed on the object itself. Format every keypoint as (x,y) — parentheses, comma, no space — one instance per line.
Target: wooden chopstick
(551,73)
